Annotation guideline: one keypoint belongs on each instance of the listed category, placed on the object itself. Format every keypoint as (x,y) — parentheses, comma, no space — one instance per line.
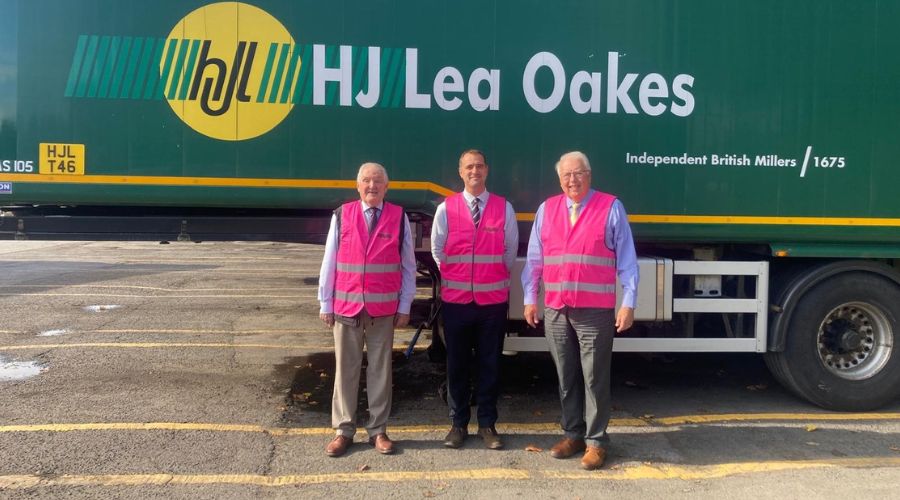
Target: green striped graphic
(267,72)
(153,78)
(292,70)
(80,47)
(86,66)
(189,71)
(120,67)
(167,68)
(303,91)
(110,65)
(98,66)
(179,66)
(279,70)
(132,65)
(149,68)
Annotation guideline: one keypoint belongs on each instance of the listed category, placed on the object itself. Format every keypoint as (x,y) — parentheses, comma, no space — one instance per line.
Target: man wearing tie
(474,240)
(579,243)
(366,286)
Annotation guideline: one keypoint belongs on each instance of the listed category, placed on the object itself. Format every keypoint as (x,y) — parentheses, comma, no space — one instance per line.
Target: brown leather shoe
(566,447)
(338,446)
(456,437)
(593,458)
(382,443)
(491,439)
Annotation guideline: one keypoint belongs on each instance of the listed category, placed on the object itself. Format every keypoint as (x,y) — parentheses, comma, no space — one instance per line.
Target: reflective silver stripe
(369,297)
(478,259)
(479,287)
(571,286)
(368,268)
(572,258)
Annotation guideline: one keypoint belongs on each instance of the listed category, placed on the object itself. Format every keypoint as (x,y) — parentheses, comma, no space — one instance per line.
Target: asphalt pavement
(201,370)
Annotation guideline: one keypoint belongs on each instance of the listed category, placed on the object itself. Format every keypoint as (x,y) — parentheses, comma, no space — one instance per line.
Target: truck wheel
(839,349)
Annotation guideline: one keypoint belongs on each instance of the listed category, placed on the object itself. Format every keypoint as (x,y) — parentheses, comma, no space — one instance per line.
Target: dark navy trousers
(469,327)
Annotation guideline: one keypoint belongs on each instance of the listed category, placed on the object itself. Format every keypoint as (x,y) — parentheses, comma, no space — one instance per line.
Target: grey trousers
(378,336)
(581,342)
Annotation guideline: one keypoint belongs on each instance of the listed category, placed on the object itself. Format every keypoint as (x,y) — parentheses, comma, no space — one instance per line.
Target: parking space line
(507,427)
(168,345)
(624,473)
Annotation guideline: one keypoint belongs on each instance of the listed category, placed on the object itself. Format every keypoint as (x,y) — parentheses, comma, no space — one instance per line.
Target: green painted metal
(770,79)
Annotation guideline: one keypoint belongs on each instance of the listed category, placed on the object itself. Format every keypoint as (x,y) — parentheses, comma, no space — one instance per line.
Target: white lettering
(538,61)
(370,98)
(343,75)
(413,98)
(492,101)
(579,80)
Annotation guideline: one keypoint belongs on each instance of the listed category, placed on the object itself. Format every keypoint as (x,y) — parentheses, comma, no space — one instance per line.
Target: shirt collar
(483,197)
(365,207)
(584,202)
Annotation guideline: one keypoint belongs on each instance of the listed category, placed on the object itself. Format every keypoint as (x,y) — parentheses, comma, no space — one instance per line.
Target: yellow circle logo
(229,70)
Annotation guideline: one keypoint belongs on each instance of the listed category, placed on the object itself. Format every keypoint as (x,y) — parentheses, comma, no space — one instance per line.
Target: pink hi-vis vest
(579,271)
(473,269)
(368,266)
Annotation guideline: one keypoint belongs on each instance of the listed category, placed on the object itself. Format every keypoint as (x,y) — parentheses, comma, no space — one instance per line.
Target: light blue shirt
(510,230)
(618,239)
(329,266)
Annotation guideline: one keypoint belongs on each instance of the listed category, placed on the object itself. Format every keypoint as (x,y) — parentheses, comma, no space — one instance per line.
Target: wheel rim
(855,340)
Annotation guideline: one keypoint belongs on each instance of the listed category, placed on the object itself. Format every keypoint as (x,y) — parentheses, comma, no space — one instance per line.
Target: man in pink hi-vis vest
(366,287)
(474,240)
(579,244)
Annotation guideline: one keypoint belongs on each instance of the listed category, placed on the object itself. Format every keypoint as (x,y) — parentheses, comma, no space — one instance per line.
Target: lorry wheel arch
(840,338)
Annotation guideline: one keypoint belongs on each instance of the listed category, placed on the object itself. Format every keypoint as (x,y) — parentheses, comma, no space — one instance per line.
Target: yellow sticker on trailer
(61,159)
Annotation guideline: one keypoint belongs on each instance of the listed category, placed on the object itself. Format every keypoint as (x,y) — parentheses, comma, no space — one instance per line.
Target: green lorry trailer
(753,143)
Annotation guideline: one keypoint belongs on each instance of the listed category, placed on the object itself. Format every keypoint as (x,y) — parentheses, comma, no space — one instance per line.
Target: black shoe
(456,437)
(491,439)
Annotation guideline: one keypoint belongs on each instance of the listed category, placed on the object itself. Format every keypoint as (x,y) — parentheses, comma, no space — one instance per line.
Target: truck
(753,144)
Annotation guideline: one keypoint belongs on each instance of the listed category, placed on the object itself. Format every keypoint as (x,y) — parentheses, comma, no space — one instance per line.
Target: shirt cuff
(326,308)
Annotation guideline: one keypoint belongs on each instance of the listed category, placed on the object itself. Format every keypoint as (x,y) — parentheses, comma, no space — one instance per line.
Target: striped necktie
(373,218)
(573,214)
(476,211)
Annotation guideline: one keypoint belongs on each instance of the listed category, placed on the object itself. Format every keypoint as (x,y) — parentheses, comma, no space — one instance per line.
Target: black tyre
(840,344)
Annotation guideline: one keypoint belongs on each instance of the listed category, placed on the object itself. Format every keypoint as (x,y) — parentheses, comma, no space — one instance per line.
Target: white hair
(574,155)
(366,165)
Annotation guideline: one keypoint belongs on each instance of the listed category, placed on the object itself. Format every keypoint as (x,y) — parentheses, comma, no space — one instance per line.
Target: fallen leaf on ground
(811,428)
(537,413)
(894,448)
(362,468)
(532,447)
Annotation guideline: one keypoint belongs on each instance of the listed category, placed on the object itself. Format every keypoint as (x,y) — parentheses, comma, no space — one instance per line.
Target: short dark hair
(474,152)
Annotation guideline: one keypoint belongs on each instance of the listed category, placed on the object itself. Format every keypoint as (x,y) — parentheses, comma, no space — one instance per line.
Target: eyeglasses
(578,174)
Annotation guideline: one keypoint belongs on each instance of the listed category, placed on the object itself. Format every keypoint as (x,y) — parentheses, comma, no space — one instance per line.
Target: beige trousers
(377,334)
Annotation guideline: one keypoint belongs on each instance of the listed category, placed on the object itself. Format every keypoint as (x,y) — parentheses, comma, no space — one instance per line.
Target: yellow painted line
(747,417)
(434,188)
(508,427)
(167,345)
(630,473)
(24,481)
(667,472)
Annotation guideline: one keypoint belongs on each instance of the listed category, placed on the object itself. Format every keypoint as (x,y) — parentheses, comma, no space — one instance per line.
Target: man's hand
(624,319)
(531,315)
(401,320)
(327,318)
